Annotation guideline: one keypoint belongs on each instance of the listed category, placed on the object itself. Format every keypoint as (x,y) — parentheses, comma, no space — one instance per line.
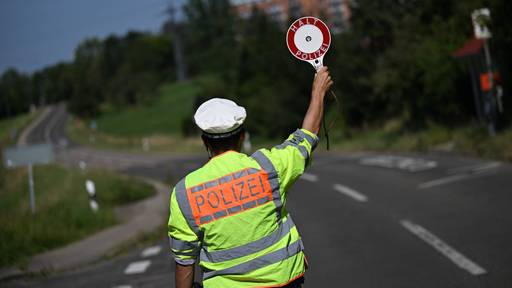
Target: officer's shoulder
(182,181)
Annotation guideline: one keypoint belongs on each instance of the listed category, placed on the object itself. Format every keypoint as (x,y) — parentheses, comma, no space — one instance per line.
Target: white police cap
(219,117)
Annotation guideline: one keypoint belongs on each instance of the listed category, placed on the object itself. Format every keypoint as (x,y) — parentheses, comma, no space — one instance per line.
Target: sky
(38,33)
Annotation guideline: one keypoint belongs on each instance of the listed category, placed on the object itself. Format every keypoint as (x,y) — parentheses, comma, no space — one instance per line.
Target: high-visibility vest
(230,214)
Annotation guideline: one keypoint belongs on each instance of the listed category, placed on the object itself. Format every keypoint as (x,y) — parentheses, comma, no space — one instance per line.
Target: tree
(210,40)
(15,93)
(88,79)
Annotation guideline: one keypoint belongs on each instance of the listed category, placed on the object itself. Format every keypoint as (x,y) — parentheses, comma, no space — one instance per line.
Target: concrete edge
(22,140)
(101,243)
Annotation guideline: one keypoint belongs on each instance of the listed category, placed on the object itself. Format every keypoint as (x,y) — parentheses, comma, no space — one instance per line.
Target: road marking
(309,177)
(122,286)
(442,181)
(350,193)
(453,178)
(476,168)
(151,251)
(442,247)
(137,267)
(399,162)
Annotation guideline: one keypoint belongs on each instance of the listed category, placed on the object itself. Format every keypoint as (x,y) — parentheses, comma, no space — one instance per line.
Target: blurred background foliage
(394,63)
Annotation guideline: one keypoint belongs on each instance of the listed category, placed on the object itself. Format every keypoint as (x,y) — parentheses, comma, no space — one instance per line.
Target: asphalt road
(52,129)
(367,220)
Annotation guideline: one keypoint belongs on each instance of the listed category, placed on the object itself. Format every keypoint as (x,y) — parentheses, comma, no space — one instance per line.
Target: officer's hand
(321,83)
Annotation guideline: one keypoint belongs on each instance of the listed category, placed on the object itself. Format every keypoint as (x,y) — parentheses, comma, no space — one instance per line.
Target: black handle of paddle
(326,132)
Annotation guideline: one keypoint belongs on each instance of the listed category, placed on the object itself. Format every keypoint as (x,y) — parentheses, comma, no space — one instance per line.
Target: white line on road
(452,178)
(137,267)
(442,181)
(309,177)
(151,251)
(123,286)
(456,257)
(350,193)
(399,162)
(476,168)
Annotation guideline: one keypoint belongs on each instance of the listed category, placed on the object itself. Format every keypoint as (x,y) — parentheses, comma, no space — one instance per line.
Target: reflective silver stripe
(182,245)
(225,179)
(303,150)
(312,141)
(247,249)
(211,184)
(251,171)
(267,165)
(188,253)
(185,262)
(181,197)
(260,262)
(240,174)
(197,188)
(205,219)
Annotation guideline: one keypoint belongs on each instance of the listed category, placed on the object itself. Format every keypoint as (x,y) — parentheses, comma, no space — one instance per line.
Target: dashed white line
(456,257)
(137,267)
(350,193)
(309,177)
(151,251)
(476,168)
(122,286)
(487,166)
(441,181)
(453,178)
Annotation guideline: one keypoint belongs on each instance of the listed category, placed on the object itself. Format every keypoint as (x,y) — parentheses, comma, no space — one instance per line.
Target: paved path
(367,220)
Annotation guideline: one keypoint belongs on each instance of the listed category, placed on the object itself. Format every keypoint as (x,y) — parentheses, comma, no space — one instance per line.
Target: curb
(101,243)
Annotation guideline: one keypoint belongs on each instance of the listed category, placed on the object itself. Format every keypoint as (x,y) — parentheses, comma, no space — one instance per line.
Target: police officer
(229,216)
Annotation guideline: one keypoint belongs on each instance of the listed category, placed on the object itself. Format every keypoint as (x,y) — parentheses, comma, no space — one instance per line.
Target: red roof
(471,47)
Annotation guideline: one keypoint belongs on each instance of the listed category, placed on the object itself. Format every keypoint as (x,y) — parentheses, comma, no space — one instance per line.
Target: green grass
(17,123)
(466,140)
(160,121)
(62,209)
(78,132)
(172,105)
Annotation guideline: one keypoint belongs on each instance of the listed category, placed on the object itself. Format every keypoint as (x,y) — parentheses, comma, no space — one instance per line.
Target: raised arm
(321,85)
(184,276)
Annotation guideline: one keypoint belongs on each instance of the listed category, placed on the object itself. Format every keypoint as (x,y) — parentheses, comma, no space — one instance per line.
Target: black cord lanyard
(326,129)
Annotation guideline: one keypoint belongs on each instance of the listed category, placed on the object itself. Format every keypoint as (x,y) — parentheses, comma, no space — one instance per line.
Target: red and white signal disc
(308,39)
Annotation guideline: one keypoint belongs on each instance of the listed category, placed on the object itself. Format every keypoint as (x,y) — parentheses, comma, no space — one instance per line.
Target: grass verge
(172,104)
(467,140)
(62,209)
(159,123)
(11,128)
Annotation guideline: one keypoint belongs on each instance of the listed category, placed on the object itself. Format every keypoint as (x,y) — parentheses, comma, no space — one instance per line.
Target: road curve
(367,220)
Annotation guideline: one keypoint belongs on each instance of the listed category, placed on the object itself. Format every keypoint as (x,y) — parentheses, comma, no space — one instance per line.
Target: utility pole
(175,30)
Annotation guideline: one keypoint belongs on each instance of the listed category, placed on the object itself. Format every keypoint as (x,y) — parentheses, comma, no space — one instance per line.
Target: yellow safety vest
(231,215)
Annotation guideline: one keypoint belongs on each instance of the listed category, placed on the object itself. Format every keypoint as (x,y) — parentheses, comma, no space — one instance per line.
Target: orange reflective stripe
(233,193)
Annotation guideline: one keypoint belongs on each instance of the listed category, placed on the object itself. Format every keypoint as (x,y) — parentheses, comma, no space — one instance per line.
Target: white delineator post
(91,190)
(31,188)
(82,166)
(146,145)
(247,143)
